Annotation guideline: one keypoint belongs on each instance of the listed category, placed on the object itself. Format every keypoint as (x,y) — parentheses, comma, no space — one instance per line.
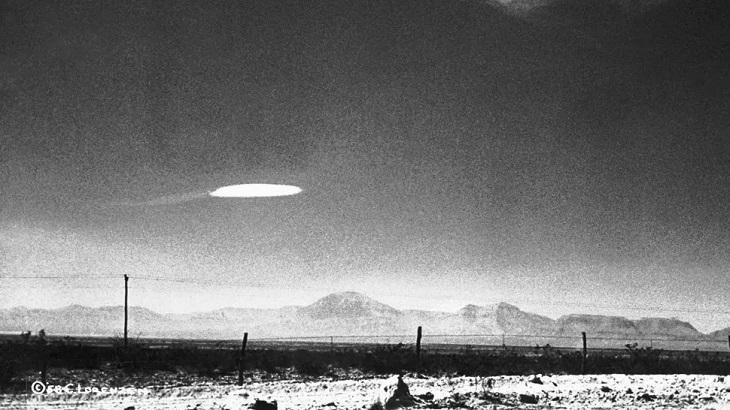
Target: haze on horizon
(573,160)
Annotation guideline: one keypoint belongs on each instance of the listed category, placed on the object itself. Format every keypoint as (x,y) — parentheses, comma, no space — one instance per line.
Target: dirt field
(501,392)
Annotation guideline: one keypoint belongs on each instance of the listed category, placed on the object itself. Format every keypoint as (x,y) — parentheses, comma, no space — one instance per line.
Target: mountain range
(339,314)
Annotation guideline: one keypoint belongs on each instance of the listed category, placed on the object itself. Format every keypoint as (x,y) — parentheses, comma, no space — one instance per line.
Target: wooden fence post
(126,294)
(241,359)
(419,334)
(585,353)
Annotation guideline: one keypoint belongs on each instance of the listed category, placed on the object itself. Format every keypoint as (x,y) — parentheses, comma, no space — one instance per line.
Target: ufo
(255,191)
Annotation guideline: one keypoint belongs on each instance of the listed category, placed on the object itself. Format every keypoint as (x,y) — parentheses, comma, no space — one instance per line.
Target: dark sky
(450,152)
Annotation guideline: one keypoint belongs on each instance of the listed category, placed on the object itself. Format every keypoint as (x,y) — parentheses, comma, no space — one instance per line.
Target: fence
(496,353)
(451,342)
(492,341)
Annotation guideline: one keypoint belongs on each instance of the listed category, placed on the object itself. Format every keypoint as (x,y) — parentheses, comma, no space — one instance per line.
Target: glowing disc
(255,191)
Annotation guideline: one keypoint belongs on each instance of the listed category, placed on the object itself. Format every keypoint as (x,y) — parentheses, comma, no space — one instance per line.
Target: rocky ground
(501,392)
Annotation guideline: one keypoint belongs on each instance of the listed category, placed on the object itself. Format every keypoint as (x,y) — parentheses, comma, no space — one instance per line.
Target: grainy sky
(574,160)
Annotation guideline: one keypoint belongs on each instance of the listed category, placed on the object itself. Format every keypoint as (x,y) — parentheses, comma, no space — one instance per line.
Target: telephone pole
(585,353)
(126,294)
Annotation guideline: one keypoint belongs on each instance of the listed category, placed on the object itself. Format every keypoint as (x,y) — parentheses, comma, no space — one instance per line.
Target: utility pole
(585,353)
(419,335)
(126,294)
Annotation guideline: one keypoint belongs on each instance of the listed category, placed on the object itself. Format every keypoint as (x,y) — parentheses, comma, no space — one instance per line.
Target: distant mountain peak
(720,334)
(506,306)
(348,294)
(347,305)
(473,311)
(668,326)
(74,306)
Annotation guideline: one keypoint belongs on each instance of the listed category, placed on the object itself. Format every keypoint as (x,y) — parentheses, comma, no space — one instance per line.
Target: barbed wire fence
(231,354)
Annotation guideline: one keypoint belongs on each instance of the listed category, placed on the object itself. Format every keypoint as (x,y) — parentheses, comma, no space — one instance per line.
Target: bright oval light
(255,191)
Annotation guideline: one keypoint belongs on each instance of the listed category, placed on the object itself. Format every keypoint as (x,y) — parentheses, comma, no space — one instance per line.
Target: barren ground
(360,392)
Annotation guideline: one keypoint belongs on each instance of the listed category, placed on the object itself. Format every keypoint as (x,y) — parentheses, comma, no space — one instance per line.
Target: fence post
(419,334)
(585,353)
(126,293)
(241,359)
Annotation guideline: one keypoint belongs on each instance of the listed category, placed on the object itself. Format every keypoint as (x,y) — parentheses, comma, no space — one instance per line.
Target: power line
(61,277)
(64,287)
(248,284)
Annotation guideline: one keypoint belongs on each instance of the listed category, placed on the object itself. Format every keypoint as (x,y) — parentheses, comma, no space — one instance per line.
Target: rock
(494,398)
(528,398)
(536,380)
(129,408)
(264,405)
(605,389)
(428,396)
(646,397)
(395,394)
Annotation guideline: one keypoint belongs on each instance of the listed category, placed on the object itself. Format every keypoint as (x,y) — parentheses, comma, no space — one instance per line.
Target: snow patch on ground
(500,392)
